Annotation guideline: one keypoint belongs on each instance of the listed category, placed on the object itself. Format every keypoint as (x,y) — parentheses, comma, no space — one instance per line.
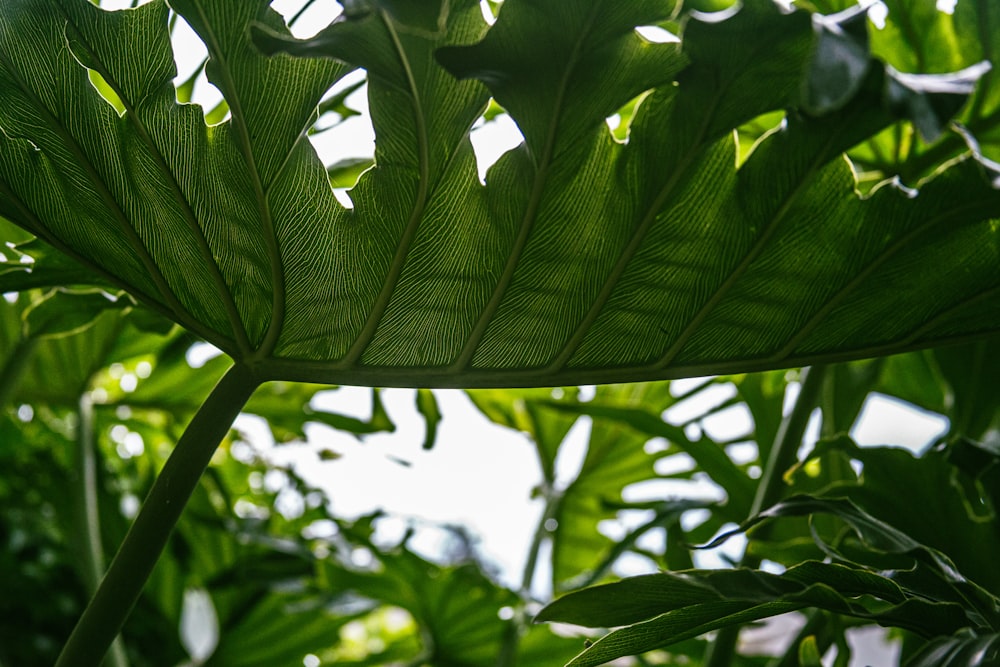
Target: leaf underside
(582,259)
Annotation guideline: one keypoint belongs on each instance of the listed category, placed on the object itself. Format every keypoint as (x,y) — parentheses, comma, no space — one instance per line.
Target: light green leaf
(278,629)
(918,38)
(60,312)
(428,407)
(344,173)
(32,264)
(809,655)
(456,606)
(615,459)
(710,457)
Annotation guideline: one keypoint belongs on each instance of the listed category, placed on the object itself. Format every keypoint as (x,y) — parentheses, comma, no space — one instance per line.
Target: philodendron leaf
(582,259)
(428,407)
(61,312)
(879,537)
(661,609)
(960,651)
(34,264)
(840,60)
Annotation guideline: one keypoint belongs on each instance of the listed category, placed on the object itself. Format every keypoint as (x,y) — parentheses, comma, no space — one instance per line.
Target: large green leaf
(955,517)
(959,652)
(581,260)
(918,38)
(660,609)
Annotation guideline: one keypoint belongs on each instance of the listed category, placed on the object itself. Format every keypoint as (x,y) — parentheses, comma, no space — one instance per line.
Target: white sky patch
(657,35)
(697,405)
(572,453)
(888,421)
(491,140)
(352,137)
(479,474)
(946,6)
(487,11)
(199,626)
(877,14)
(316,17)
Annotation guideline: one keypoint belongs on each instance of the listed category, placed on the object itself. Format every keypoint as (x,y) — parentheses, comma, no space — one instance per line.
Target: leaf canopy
(582,259)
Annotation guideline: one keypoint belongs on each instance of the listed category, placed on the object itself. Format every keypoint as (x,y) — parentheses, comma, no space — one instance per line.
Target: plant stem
(507,656)
(89,523)
(783,454)
(788,440)
(131,567)
(542,533)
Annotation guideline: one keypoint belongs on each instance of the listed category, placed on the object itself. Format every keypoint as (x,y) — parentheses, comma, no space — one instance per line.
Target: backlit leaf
(583,259)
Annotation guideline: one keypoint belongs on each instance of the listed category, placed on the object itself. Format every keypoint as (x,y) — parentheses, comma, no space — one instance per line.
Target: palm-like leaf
(581,260)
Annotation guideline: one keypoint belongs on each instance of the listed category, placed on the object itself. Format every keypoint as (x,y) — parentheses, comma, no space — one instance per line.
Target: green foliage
(720,228)
(907,543)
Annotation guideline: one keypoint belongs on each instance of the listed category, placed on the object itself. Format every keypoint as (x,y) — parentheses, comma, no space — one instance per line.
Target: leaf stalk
(783,454)
(89,532)
(123,583)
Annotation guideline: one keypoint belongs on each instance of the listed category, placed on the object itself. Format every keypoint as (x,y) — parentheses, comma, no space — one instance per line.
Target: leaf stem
(89,523)
(512,633)
(552,501)
(124,581)
(783,452)
(788,439)
(391,279)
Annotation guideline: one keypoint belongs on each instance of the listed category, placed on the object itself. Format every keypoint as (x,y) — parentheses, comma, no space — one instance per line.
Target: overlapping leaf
(581,260)
(923,593)
(660,609)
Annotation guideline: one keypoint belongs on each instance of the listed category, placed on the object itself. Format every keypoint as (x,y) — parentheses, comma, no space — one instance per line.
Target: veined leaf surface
(582,259)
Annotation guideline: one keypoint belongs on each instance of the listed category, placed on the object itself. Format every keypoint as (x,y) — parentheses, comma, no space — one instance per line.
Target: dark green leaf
(63,313)
(840,61)
(582,260)
(961,651)
(428,407)
(661,609)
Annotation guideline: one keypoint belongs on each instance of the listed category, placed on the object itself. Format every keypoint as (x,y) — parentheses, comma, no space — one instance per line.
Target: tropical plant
(717,229)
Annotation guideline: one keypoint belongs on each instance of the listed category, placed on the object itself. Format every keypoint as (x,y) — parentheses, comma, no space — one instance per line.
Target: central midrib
(232,312)
(530,214)
(391,280)
(278,287)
